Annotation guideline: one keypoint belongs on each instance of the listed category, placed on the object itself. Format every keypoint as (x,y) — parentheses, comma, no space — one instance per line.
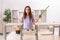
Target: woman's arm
(37,19)
(20,21)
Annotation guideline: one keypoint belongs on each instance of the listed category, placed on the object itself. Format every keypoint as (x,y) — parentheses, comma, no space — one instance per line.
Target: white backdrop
(53,13)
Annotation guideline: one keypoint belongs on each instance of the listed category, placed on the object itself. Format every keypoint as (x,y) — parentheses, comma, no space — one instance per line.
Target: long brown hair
(25,14)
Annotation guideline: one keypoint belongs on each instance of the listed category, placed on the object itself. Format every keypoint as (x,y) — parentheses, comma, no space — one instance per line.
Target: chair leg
(36,27)
(36,36)
(21,33)
(21,36)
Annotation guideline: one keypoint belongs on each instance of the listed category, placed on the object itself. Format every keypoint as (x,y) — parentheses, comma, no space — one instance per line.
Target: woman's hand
(20,21)
(39,16)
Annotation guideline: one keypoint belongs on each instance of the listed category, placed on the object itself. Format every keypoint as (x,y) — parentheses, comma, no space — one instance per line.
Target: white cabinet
(1,27)
(14,16)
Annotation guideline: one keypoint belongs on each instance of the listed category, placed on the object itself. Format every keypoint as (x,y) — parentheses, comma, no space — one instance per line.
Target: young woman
(28,19)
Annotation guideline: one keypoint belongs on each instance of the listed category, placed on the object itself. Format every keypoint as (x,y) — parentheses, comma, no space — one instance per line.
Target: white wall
(20,4)
(0,9)
(52,13)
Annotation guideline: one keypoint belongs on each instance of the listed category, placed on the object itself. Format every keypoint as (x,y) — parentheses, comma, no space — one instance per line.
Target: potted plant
(7,15)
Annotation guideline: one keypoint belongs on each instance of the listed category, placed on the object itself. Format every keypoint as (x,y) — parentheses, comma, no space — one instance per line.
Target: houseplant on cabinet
(7,16)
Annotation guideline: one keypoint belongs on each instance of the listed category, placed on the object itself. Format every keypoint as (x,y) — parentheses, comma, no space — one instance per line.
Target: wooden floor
(14,36)
(41,37)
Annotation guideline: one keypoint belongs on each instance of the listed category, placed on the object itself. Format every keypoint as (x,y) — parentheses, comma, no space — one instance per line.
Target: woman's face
(27,10)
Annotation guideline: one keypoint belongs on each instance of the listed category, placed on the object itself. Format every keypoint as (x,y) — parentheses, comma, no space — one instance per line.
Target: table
(36,25)
(19,24)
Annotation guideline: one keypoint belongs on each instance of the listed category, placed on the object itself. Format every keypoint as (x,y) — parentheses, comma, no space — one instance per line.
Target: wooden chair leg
(21,32)
(36,27)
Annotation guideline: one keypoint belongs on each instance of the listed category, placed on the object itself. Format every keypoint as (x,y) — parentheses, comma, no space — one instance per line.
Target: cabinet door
(1,27)
(38,12)
(14,16)
(43,18)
